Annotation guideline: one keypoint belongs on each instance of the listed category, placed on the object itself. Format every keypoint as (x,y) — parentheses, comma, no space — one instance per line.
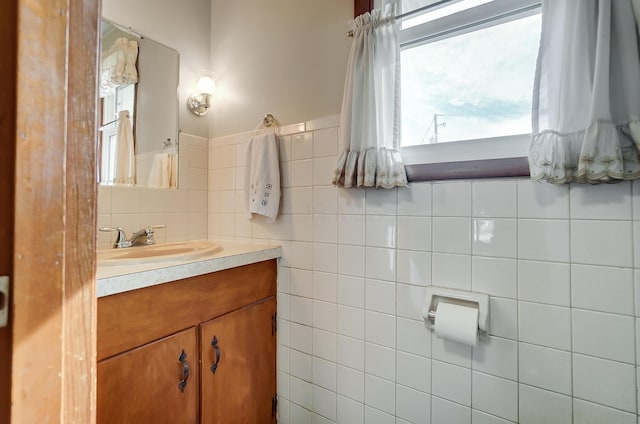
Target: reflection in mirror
(138,133)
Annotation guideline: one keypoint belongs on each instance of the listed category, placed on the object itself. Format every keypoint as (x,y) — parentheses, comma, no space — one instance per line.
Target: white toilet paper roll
(457,323)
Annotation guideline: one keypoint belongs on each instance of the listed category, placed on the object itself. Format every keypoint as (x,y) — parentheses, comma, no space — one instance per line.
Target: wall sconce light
(199,103)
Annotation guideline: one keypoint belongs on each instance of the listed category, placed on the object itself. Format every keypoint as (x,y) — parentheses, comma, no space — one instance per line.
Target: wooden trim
(362,6)
(8,58)
(53,373)
(80,302)
(39,212)
(491,168)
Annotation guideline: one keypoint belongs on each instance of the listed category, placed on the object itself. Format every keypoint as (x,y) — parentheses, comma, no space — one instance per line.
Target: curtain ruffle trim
(370,168)
(602,153)
(118,66)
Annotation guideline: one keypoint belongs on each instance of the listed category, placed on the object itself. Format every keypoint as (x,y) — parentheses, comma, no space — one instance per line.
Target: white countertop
(117,279)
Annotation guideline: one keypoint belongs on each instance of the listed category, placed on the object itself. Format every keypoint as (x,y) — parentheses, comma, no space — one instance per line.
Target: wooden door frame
(362,6)
(8,54)
(53,370)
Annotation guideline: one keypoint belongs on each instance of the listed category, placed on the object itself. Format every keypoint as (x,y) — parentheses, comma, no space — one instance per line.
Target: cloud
(480,81)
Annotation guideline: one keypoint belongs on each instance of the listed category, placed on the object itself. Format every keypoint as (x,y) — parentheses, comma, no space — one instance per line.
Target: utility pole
(434,139)
(435,127)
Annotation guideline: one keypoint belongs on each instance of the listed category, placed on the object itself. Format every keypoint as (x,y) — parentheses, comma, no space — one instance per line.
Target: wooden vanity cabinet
(151,384)
(235,347)
(143,333)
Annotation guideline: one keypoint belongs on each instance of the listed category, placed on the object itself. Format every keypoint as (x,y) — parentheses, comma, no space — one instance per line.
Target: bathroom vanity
(198,349)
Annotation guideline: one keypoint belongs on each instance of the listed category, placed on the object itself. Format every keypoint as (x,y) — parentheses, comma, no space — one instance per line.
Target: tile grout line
(517,197)
(472,186)
(571,302)
(431,282)
(634,223)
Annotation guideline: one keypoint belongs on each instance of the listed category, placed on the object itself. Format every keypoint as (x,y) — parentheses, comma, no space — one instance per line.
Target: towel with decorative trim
(262,176)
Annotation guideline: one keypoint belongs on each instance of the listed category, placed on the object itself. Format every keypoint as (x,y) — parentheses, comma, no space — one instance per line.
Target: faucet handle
(114,229)
(121,239)
(149,229)
(149,232)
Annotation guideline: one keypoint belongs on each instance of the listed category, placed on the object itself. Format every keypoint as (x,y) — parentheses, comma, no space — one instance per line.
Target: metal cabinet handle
(185,371)
(214,343)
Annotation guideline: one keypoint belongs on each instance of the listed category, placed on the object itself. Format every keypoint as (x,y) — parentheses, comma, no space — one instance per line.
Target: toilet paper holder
(477,300)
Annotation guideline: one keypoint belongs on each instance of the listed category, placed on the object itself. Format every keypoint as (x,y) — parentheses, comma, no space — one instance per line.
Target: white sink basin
(166,252)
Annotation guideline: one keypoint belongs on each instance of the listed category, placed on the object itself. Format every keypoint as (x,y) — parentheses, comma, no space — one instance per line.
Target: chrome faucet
(136,238)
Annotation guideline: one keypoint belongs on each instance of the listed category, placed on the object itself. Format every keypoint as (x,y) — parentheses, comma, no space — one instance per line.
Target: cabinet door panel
(142,385)
(244,383)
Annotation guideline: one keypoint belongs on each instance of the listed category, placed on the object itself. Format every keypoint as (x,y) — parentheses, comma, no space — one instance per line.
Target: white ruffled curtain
(586,102)
(118,66)
(125,171)
(370,118)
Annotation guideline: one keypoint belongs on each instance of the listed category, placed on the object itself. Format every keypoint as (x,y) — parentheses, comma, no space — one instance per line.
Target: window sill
(485,158)
(492,168)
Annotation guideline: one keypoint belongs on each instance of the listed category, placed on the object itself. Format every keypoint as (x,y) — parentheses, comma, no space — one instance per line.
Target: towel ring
(268,121)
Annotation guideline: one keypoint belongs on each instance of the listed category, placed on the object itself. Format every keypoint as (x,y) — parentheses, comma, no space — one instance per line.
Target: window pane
(429,15)
(471,86)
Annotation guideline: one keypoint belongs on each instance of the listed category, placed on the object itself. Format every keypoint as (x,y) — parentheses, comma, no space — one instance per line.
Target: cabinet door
(150,384)
(239,366)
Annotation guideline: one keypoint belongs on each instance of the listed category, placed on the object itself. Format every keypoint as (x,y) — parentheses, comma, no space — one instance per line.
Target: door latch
(4,300)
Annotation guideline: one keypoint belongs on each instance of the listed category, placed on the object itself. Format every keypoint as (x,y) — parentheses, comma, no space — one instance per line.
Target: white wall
(182,25)
(285,57)
(561,263)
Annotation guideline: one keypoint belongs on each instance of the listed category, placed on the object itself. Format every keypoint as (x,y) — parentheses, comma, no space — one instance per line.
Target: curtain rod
(433,5)
(108,123)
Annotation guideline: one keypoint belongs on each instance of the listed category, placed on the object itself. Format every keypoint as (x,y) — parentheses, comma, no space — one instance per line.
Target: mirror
(138,110)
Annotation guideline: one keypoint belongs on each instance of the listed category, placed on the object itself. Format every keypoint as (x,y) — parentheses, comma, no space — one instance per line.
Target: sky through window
(470,86)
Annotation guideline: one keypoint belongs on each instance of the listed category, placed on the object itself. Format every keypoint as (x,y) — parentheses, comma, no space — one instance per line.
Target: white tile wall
(561,263)
(445,411)
(494,395)
(451,382)
(605,382)
(498,357)
(545,368)
(412,406)
(183,211)
(542,406)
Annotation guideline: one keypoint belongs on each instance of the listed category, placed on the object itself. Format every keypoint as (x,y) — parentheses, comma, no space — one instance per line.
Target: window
(467,80)
(122,98)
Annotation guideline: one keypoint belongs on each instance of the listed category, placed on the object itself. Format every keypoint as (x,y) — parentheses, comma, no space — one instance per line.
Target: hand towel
(160,174)
(173,170)
(125,172)
(262,176)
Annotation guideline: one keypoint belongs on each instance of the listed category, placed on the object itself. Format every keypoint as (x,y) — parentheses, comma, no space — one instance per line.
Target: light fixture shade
(199,103)
(206,85)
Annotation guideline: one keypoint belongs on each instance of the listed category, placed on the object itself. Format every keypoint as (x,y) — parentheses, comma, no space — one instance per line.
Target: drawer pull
(214,343)
(185,371)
